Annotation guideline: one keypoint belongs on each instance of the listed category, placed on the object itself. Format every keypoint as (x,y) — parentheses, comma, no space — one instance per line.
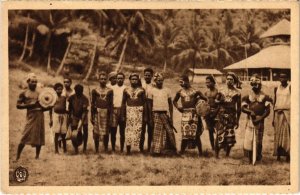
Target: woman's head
(233,80)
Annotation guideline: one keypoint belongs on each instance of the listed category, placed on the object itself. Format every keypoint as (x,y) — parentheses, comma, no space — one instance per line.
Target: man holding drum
(191,124)
(34,131)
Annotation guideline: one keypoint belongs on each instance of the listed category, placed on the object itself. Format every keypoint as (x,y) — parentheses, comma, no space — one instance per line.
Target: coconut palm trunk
(122,53)
(194,64)
(91,64)
(63,60)
(25,42)
(49,53)
(32,45)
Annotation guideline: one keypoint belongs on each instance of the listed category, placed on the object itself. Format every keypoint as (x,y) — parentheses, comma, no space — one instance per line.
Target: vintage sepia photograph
(142,96)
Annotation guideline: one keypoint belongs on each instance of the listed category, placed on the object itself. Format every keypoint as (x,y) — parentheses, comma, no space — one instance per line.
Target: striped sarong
(282,136)
(116,117)
(134,122)
(163,135)
(101,122)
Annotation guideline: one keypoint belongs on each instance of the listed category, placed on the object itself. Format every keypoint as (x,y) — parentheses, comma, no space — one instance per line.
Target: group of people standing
(147,106)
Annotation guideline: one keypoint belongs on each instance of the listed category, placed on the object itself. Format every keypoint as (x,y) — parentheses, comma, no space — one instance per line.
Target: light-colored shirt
(283,98)
(147,87)
(118,95)
(160,99)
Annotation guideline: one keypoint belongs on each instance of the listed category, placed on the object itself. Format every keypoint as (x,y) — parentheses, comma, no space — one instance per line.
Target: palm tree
(137,28)
(193,48)
(192,45)
(170,32)
(18,19)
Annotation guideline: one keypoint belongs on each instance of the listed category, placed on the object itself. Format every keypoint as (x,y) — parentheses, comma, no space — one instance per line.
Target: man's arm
(170,108)
(145,106)
(123,106)
(21,105)
(201,96)
(110,99)
(175,102)
(274,103)
(51,118)
(238,109)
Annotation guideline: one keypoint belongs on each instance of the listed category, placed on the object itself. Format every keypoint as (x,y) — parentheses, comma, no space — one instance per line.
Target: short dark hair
(78,89)
(57,85)
(148,70)
(211,78)
(121,73)
(185,78)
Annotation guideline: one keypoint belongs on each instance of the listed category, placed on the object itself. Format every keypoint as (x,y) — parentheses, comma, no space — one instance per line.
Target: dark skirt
(34,131)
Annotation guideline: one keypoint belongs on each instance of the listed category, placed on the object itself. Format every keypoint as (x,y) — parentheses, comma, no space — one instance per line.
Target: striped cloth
(101,122)
(282,136)
(163,135)
(116,118)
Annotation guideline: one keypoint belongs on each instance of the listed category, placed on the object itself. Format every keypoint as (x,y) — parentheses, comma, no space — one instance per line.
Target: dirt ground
(138,169)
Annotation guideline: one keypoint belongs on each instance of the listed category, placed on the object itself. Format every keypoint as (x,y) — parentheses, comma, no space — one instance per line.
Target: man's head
(148,74)
(32,81)
(134,79)
(120,78)
(67,82)
(58,87)
(184,81)
(102,79)
(78,89)
(112,77)
(283,78)
(159,80)
(255,82)
(210,82)
(232,79)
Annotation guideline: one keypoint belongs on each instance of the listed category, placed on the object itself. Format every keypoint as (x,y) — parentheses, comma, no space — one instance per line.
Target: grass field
(118,169)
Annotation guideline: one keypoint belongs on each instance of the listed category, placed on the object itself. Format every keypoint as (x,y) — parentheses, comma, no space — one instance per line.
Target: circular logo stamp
(21,174)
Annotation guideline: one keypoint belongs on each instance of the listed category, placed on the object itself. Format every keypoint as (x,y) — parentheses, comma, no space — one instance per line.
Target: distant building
(271,60)
(268,63)
(200,75)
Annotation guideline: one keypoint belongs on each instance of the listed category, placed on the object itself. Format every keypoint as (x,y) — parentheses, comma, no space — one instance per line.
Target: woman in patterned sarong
(229,100)
(102,107)
(134,109)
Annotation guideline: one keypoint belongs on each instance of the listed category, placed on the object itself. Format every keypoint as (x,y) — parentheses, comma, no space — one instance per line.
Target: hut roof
(205,71)
(281,28)
(275,57)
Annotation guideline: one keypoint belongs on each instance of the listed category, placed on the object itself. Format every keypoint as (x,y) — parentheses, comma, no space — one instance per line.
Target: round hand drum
(47,97)
(202,108)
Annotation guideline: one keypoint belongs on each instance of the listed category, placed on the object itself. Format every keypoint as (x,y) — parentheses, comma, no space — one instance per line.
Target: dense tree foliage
(174,39)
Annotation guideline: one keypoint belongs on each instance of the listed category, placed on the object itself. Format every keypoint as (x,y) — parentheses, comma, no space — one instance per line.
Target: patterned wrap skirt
(34,131)
(134,122)
(163,134)
(282,136)
(101,122)
(60,123)
(225,128)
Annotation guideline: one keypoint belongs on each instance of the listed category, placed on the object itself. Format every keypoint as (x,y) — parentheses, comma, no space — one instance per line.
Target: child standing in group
(59,118)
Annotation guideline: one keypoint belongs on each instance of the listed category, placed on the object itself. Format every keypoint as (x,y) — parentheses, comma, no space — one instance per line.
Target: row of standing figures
(148,107)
